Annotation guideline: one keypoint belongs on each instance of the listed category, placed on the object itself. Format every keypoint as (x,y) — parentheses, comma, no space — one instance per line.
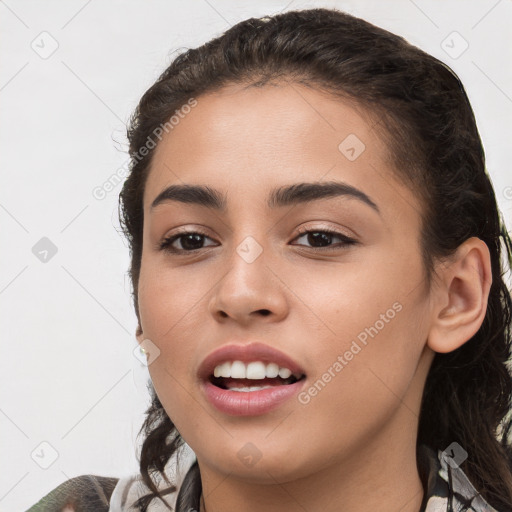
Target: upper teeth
(253,370)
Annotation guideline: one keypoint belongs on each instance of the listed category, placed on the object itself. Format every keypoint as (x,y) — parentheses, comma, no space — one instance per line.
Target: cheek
(364,367)
(169,300)
(171,311)
(360,386)
(347,304)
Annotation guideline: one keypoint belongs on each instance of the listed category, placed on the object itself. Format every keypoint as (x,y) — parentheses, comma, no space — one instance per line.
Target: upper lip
(247,353)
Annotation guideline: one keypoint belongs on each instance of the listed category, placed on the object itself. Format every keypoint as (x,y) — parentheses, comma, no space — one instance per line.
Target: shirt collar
(446,486)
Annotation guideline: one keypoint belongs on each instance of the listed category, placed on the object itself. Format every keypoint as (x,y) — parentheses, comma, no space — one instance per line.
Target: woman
(317,276)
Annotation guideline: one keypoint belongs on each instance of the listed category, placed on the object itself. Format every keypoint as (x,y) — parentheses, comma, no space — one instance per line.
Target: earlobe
(139,335)
(460,299)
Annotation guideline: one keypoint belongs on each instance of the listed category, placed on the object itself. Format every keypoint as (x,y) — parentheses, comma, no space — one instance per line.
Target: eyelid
(326,228)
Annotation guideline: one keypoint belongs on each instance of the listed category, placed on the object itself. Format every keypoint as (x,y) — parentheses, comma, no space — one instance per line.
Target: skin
(354,443)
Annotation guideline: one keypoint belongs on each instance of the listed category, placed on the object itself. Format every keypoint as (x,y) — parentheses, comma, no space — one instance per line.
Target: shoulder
(85,493)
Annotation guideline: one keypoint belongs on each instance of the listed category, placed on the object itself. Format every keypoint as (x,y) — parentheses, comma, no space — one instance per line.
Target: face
(335,283)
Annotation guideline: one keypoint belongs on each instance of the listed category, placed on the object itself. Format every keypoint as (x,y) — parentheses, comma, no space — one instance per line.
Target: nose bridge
(247,275)
(248,285)
(249,247)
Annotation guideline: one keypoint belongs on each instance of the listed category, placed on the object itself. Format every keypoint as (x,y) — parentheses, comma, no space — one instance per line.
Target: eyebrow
(278,197)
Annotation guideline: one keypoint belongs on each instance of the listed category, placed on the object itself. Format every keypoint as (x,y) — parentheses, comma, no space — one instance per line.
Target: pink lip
(240,403)
(246,354)
(251,403)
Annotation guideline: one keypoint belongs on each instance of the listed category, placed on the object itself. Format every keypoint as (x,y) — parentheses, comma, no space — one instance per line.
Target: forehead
(244,139)
(285,118)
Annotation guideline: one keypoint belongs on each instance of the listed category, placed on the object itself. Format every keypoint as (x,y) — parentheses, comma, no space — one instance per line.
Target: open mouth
(246,385)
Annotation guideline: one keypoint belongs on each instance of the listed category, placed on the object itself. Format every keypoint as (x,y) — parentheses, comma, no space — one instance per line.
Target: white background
(69,376)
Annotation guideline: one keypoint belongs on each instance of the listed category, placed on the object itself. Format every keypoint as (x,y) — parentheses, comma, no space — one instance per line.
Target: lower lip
(250,403)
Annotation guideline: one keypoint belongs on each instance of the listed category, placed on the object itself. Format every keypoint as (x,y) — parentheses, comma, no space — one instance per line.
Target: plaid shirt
(447,489)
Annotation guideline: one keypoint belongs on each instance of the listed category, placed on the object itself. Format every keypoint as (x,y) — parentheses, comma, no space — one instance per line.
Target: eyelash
(166,243)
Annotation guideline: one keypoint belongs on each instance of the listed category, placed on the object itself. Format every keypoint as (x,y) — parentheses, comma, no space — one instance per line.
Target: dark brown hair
(422,111)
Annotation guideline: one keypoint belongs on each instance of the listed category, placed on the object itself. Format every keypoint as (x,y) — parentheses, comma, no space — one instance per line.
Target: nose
(247,291)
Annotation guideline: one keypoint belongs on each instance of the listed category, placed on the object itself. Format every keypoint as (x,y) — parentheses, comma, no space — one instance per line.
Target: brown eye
(322,239)
(189,241)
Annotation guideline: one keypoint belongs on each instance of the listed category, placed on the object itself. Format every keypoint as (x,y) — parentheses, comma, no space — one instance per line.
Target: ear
(139,334)
(460,297)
